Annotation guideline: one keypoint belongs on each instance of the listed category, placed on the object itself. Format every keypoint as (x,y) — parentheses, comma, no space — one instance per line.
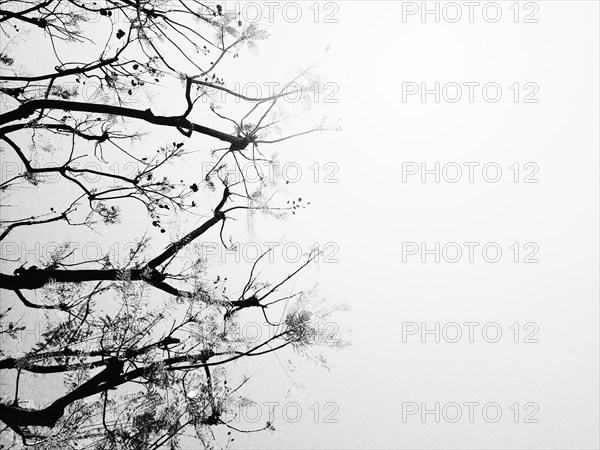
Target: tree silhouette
(136,374)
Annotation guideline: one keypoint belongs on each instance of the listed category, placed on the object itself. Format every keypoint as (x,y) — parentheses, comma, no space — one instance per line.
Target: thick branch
(15,416)
(112,377)
(5,15)
(28,108)
(35,278)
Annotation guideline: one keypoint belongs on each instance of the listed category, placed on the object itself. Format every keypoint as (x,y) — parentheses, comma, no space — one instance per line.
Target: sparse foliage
(126,371)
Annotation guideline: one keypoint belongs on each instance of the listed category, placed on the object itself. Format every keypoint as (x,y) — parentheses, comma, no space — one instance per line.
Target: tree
(136,373)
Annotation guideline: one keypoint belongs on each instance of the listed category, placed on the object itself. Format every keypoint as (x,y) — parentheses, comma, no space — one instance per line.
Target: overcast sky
(548,126)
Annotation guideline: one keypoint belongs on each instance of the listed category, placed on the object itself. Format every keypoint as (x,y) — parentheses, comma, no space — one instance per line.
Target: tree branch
(28,108)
